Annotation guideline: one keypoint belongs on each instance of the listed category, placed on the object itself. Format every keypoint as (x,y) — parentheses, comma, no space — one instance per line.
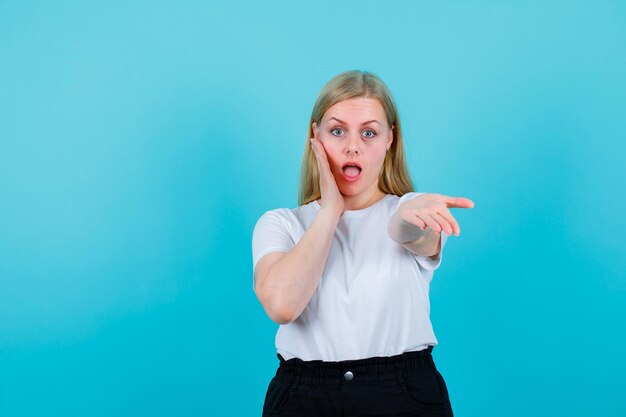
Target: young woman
(346,274)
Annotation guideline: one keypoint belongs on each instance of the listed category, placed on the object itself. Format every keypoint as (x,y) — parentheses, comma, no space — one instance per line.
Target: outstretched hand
(432,210)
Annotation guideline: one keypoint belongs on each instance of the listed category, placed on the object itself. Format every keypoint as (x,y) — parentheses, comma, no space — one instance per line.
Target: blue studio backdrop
(140,142)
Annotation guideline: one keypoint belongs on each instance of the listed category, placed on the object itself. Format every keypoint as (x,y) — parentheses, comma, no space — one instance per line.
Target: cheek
(333,151)
(377,153)
(378,159)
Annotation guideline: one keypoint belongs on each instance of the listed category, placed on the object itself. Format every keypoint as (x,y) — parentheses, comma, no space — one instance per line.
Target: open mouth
(351,171)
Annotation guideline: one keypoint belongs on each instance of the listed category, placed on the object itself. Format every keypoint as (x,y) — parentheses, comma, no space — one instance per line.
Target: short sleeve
(271,233)
(425,261)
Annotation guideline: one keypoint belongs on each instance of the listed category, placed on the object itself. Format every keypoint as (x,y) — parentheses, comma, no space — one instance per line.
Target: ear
(314,126)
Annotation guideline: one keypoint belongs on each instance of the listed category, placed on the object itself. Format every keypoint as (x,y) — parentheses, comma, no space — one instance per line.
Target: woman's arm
(420,242)
(291,281)
(419,221)
(288,284)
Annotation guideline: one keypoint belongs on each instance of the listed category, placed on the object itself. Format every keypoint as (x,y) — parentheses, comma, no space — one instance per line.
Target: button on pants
(402,385)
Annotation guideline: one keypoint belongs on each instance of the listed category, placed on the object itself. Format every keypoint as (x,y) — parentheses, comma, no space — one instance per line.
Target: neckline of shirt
(356,213)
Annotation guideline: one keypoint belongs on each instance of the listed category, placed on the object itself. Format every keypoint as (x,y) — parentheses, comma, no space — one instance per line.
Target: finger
(327,179)
(415,220)
(445,225)
(427,218)
(412,216)
(458,202)
(318,157)
(451,220)
(320,152)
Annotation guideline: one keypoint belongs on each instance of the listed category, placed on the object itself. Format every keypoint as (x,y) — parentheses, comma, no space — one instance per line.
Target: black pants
(402,385)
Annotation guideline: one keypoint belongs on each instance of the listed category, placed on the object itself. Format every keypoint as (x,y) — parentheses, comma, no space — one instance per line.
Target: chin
(348,190)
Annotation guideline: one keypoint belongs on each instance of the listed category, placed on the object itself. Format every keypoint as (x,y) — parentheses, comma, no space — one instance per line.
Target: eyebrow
(369,121)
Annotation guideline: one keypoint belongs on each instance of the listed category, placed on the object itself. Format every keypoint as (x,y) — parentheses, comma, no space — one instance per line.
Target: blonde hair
(394,177)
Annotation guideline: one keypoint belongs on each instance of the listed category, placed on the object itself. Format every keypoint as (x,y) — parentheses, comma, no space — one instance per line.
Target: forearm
(293,279)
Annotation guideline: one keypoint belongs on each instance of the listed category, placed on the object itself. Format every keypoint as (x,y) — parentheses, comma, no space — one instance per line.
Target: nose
(352,145)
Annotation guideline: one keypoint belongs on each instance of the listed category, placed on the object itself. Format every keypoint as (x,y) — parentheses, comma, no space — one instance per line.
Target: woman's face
(355,130)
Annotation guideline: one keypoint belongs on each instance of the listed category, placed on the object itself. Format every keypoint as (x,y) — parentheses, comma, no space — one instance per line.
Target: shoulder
(288,216)
(274,217)
(275,213)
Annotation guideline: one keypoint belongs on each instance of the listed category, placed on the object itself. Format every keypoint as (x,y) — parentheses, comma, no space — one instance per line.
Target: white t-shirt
(372,298)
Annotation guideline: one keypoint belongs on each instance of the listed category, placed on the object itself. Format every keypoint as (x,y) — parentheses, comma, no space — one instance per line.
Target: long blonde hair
(394,177)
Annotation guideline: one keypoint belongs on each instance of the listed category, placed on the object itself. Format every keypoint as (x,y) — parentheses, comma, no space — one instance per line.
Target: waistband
(375,368)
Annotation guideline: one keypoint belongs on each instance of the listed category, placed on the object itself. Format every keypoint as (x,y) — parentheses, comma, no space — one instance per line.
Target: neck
(361,201)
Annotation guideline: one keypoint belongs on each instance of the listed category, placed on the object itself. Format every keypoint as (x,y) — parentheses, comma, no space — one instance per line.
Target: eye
(334,130)
(373,134)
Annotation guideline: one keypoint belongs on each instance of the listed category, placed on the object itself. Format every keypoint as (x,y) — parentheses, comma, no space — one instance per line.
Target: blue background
(140,142)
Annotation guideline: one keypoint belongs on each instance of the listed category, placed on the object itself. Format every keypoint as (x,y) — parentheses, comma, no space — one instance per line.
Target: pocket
(278,393)
(425,389)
